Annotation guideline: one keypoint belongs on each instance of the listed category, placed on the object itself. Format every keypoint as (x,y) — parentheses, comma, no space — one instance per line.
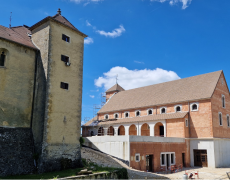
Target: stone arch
(100,131)
(110,131)
(133,130)
(145,130)
(159,129)
(121,130)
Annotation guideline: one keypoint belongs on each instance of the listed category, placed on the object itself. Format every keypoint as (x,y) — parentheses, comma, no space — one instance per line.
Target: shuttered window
(65,38)
(64,85)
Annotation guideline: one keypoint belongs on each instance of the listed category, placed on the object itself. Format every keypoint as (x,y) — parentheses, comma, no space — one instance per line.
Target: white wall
(222,150)
(203,144)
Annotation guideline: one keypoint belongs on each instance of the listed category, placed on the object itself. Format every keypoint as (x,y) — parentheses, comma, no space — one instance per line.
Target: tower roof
(116,87)
(59,19)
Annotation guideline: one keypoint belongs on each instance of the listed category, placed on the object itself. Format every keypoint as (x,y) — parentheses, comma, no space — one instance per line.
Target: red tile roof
(116,87)
(18,35)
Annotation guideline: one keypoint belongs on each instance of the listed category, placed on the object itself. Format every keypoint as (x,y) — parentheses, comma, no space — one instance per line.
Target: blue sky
(143,41)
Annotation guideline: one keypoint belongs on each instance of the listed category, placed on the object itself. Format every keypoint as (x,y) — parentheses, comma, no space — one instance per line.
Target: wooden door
(200,158)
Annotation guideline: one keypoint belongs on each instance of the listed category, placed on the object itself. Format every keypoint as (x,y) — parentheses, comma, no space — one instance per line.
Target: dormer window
(194,106)
(163,110)
(2,59)
(106,116)
(138,113)
(65,38)
(223,101)
(150,112)
(116,115)
(126,114)
(178,108)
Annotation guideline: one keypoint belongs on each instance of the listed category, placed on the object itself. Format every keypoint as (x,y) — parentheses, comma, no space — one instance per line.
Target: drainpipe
(189,119)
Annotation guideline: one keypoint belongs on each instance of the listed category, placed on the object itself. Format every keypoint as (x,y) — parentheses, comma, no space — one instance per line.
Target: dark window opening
(161,130)
(65,58)
(228,121)
(106,117)
(162,159)
(64,85)
(92,133)
(163,110)
(138,113)
(2,59)
(126,114)
(178,109)
(223,101)
(116,116)
(137,157)
(65,38)
(220,119)
(194,107)
(150,111)
(172,158)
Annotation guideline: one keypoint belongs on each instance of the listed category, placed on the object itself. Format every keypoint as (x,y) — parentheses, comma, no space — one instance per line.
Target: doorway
(149,163)
(161,130)
(200,158)
(183,159)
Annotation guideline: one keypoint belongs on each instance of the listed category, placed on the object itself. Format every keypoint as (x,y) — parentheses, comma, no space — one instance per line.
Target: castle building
(183,122)
(41,71)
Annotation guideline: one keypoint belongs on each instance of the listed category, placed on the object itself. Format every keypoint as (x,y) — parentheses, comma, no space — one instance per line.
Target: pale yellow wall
(65,102)
(16,85)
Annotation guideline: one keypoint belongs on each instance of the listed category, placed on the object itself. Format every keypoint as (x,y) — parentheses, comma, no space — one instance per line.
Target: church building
(183,122)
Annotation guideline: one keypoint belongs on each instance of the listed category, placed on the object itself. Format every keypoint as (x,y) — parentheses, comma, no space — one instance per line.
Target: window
(177,108)
(116,115)
(186,122)
(163,110)
(2,59)
(172,158)
(194,106)
(228,123)
(223,101)
(150,112)
(65,58)
(168,158)
(138,113)
(220,119)
(137,157)
(106,116)
(162,159)
(64,85)
(126,114)
(65,38)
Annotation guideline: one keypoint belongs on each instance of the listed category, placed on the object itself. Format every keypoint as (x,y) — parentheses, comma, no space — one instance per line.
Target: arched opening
(223,101)
(3,55)
(159,129)
(163,111)
(178,109)
(100,131)
(110,131)
(145,130)
(138,113)
(121,130)
(133,130)
(194,107)
(150,112)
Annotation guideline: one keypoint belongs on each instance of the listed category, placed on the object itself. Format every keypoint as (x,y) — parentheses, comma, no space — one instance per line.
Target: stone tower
(61,48)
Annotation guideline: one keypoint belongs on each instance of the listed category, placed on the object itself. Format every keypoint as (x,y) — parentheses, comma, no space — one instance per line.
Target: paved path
(109,161)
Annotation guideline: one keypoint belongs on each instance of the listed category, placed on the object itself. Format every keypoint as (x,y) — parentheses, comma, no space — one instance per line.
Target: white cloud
(88,40)
(92,96)
(86,1)
(87,23)
(139,62)
(173,2)
(115,33)
(129,79)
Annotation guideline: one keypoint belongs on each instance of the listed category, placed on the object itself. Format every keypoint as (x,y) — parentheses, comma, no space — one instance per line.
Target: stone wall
(16,151)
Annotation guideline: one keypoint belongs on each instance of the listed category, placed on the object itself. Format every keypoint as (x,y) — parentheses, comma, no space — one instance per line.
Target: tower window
(220,119)
(65,38)
(65,58)
(194,106)
(2,59)
(64,85)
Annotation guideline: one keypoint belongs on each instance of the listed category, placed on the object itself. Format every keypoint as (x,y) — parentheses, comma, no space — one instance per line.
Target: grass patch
(122,172)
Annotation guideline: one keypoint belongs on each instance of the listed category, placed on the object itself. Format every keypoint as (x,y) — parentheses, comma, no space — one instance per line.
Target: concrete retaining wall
(221,150)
